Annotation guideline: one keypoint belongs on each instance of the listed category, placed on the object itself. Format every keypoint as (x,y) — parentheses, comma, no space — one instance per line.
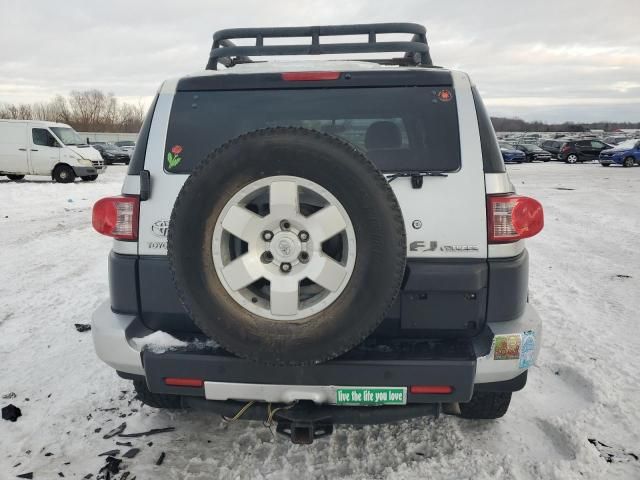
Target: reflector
(184,382)
(431,389)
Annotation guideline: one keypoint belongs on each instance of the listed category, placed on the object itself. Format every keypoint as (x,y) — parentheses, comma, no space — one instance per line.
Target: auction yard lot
(584,282)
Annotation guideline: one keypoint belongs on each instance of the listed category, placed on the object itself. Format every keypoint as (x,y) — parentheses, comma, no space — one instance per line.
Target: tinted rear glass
(400,129)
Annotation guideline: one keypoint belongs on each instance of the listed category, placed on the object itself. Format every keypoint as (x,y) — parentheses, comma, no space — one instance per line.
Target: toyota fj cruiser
(331,242)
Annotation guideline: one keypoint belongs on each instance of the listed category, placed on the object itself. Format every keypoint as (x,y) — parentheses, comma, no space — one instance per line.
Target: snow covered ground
(585,282)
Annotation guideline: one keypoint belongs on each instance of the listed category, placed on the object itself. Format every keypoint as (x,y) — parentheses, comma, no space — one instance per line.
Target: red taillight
(117,217)
(309,76)
(431,389)
(512,218)
(184,382)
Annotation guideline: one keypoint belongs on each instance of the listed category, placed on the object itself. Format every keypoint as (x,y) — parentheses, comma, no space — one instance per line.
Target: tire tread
(376,176)
(156,400)
(486,405)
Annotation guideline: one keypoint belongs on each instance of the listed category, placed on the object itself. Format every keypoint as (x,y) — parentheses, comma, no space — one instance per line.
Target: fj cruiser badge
(160,228)
(420,246)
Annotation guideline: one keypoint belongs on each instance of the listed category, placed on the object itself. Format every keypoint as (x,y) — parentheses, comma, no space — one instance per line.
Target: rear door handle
(22,149)
(34,149)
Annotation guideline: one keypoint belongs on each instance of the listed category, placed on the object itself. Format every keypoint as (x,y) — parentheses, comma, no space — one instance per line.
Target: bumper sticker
(507,347)
(528,349)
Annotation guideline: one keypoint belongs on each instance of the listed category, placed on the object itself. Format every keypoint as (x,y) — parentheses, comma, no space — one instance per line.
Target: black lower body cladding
(372,210)
(448,289)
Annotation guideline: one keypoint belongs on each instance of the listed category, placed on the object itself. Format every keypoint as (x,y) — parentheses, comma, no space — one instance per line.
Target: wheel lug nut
(285,225)
(285,267)
(266,257)
(267,235)
(303,257)
(303,236)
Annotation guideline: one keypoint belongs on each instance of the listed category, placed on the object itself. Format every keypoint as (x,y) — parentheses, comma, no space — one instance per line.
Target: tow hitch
(305,432)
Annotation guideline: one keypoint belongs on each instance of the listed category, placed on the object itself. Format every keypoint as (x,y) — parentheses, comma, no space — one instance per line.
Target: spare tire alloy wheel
(284,248)
(287,246)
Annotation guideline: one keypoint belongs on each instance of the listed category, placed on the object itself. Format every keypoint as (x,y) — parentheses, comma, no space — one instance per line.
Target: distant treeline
(501,124)
(85,111)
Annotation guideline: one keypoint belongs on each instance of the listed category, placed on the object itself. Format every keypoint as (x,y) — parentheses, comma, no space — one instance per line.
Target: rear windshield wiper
(416,177)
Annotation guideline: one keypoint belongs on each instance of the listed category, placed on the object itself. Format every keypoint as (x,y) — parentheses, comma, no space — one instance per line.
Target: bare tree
(20,111)
(59,110)
(88,110)
(131,116)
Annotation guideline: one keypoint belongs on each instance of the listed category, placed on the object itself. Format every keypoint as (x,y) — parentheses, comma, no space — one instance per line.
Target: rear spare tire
(287,246)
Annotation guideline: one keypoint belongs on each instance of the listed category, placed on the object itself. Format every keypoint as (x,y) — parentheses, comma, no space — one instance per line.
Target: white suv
(301,242)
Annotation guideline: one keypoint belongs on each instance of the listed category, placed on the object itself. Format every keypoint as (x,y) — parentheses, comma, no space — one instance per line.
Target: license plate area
(371,396)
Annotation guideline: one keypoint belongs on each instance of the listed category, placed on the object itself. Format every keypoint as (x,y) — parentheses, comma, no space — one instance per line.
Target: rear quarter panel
(452,209)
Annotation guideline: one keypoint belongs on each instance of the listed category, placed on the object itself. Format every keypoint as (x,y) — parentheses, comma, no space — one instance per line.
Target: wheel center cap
(285,247)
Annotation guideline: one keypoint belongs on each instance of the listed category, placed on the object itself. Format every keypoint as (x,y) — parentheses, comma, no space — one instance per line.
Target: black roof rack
(416,50)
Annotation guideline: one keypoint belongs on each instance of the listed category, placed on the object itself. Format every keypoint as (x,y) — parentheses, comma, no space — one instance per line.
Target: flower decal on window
(173,157)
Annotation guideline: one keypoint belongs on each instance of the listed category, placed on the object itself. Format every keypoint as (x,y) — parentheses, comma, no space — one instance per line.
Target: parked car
(295,300)
(111,153)
(575,151)
(29,147)
(511,154)
(552,146)
(533,152)
(615,139)
(626,154)
(126,145)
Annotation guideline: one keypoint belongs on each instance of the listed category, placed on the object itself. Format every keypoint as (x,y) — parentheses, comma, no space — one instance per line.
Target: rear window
(399,128)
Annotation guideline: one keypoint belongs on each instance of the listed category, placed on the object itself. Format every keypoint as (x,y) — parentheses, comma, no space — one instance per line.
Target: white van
(31,147)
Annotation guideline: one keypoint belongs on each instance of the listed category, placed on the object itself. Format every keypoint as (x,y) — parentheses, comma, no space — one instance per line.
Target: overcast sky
(537,60)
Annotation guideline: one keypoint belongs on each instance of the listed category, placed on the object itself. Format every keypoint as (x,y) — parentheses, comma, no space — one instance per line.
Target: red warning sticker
(445,95)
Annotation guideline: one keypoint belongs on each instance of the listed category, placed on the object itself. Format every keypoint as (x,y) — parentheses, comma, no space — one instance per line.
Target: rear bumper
(460,364)
(228,377)
(112,334)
